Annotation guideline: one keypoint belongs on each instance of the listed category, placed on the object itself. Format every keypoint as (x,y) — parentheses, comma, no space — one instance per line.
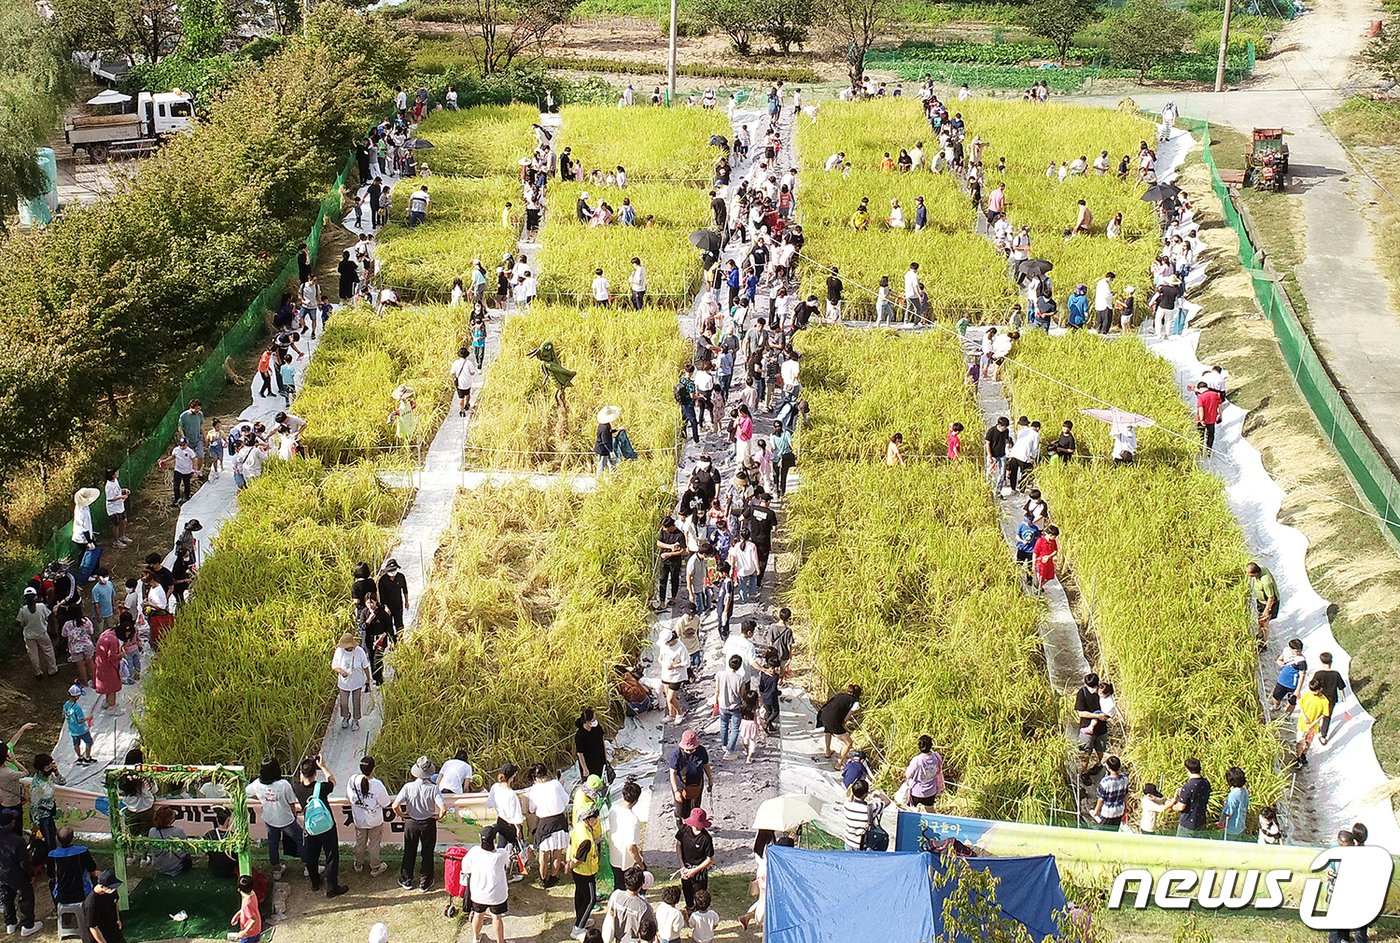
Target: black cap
(109,878)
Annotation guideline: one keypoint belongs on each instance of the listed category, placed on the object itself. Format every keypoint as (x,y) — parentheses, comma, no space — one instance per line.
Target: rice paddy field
(479,142)
(628,359)
(243,673)
(906,585)
(965,274)
(656,145)
(538,594)
(361,359)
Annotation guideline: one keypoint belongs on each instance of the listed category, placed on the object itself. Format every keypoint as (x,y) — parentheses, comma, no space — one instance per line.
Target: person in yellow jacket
(1312,707)
(584,839)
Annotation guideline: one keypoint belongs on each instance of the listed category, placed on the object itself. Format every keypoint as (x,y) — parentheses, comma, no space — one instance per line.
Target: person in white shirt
(1103,303)
(673,662)
(505,802)
(911,292)
(742,644)
(401,100)
(368,800)
(116,497)
(1023,452)
(451,98)
(464,373)
(418,206)
(835,161)
(1124,443)
(916,156)
(525,290)
(186,462)
(278,812)
(602,288)
(488,885)
(625,833)
(455,776)
(637,282)
(1101,163)
(350,665)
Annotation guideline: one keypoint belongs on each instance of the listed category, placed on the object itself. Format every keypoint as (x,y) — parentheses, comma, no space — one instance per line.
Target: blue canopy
(839,896)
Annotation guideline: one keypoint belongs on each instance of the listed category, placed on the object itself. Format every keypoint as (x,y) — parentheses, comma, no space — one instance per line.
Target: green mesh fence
(207,380)
(1363,460)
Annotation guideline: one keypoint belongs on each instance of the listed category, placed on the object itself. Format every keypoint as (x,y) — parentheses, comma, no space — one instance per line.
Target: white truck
(115,132)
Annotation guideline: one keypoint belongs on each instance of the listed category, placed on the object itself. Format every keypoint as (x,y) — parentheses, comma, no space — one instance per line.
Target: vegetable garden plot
(629,359)
(481,141)
(538,595)
(654,144)
(907,586)
(244,672)
(361,359)
(1161,561)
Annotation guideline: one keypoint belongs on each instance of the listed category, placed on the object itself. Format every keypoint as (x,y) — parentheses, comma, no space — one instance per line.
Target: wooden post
(1224,46)
(671,58)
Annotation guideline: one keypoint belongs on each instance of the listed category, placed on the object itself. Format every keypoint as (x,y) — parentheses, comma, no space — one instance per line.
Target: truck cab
(165,113)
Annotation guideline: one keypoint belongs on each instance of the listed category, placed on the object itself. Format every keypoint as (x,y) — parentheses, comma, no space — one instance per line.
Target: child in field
(78,722)
(955,442)
(248,920)
(974,371)
(1269,831)
(288,374)
(704,919)
(1106,700)
(1153,804)
(670,920)
(749,730)
(214,442)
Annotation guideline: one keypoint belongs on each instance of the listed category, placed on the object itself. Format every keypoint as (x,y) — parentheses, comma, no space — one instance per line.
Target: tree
(1146,33)
(385,49)
(204,24)
(32,73)
(1058,21)
(855,26)
(140,29)
(787,22)
(737,19)
(507,34)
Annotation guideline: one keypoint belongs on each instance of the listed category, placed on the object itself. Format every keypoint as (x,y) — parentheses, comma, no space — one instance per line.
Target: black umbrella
(706,241)
(418,144)
(1159,192)
(720,141)
(1032,268)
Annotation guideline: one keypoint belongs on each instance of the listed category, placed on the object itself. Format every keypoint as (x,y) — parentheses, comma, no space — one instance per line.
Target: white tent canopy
(109,97)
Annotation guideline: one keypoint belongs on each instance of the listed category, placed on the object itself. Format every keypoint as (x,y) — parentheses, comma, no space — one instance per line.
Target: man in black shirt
(705,479)
(1331,685)
(721,214)
(101,922)
(1191,801)
(221,863)
(72,863)
(1093,727)
(696,849)
(763,520)
(1064,444)
(16,875)
(998,437)
(833,294)
(393,592)
(670,542)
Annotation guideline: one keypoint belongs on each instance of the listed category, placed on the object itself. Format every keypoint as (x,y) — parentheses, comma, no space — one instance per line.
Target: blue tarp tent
(840,896)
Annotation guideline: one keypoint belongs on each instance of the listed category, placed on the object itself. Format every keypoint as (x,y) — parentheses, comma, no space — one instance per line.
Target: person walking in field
(1207,414)
(1047,547)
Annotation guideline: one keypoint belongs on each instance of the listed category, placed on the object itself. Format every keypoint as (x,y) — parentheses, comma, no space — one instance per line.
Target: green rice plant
(671,207)
(573,253)
(629,359)
(481,141)
(539,594)
(1160,561)
(654,144)
(474,200)
(245,670)
(360,360)
(427,258)
(907,586)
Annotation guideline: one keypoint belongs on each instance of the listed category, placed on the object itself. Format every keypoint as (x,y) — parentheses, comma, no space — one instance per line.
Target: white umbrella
(784,813)
(1120,417)
(109,97)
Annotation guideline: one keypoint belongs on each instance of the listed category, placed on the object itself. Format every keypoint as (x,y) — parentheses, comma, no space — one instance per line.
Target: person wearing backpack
(319,825)
(856,812)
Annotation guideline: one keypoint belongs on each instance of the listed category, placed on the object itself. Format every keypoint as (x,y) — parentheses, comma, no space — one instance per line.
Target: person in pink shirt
(248,920)
(743,436)
(955,442)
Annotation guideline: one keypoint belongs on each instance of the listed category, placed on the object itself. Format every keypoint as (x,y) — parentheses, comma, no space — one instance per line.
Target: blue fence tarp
(839,896)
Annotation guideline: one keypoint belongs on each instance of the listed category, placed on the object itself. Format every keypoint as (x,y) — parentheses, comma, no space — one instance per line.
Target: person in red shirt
(1043,556)
(248,920)
(1207,414)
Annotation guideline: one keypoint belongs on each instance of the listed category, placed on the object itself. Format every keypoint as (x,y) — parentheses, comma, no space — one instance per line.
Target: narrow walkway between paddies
(791,760)
(420,532)
(212,505)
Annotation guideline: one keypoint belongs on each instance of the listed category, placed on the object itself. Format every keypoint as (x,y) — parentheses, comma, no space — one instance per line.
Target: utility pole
(1224,47)
(671,58)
